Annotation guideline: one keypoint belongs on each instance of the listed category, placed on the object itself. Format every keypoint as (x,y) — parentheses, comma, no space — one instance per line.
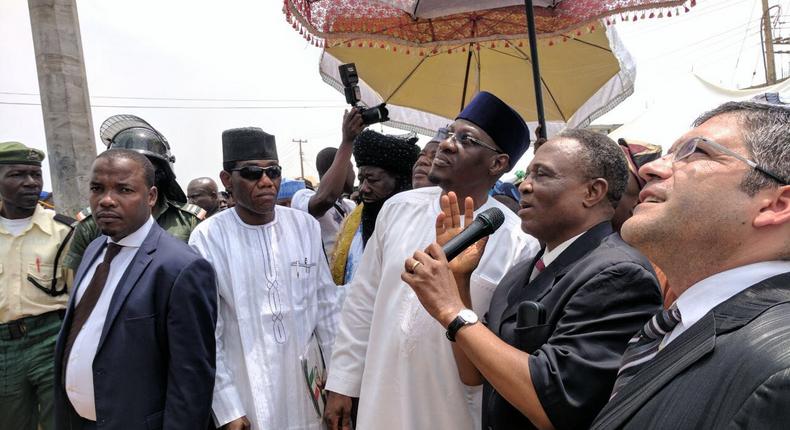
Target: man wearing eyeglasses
(715,216)
(389,352)
(275,292)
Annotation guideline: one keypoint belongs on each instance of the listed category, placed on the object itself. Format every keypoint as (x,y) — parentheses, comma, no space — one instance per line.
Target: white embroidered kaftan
(274,289)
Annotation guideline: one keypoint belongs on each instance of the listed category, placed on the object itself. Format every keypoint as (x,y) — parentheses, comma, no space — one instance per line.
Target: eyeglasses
(464,139)
(254,173)
(685,149)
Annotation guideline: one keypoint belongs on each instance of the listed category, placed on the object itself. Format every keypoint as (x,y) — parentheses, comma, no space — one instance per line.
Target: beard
(370,211)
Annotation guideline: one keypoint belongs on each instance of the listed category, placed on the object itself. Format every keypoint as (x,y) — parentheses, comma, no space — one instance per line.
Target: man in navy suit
(137,349)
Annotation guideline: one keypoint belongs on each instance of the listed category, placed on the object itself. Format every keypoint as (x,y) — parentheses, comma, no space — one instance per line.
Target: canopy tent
(667,119)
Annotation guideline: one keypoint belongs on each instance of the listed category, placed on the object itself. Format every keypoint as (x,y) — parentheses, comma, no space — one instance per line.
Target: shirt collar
(135,240)
(708,293)
(551,255)
(40,219)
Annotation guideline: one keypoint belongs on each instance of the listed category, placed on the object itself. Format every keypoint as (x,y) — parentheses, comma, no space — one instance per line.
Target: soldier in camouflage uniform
(172,212)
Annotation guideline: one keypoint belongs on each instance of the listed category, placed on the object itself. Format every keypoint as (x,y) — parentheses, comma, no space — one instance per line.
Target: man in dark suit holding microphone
(558,324)
(136,350)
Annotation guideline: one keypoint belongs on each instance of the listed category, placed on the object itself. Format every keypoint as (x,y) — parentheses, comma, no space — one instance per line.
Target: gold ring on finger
(414,266)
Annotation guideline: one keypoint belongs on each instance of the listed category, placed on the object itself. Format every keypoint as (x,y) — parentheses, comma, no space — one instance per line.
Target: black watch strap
(453,328)
(458,323)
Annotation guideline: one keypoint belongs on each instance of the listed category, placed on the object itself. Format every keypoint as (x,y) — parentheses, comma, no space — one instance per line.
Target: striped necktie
(645,345)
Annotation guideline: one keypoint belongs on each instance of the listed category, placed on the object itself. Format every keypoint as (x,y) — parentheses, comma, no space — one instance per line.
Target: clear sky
(193,68)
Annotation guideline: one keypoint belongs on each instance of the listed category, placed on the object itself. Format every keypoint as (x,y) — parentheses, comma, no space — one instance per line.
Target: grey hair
(766,134)
(601,157)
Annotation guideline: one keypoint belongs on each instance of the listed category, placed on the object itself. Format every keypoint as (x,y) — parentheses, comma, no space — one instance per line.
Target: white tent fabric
(668,118)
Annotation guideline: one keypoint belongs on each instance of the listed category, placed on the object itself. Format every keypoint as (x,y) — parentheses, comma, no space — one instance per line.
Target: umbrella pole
(533,52)
(466,78)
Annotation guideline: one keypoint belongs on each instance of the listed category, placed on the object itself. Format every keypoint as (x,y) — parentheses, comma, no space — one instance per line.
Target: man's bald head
(203,192)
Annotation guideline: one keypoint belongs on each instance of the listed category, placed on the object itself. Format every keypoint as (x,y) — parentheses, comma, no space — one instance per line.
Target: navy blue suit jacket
(154,366)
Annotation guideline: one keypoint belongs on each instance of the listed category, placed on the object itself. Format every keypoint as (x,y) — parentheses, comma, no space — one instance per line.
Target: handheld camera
(350,79)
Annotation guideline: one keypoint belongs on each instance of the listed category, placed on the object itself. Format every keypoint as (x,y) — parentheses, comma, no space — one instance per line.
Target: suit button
(100,372)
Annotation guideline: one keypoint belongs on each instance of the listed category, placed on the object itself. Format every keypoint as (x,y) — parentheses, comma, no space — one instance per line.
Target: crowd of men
(624,289)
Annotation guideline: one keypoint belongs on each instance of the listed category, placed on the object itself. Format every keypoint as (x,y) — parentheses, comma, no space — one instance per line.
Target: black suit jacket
(597,294)
(154,366)
(730,370)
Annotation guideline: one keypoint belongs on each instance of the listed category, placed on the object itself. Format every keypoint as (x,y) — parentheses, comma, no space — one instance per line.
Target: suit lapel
(687,349)
(545,281)
(129,279)
(691,346)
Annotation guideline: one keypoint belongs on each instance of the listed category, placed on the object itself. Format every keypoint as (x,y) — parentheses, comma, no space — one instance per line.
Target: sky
(193,68)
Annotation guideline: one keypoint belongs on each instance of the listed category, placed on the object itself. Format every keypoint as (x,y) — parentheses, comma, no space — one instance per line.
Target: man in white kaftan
(389,352)
(274,291)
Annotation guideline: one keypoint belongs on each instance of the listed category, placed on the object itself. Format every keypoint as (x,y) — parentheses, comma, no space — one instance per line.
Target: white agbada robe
(389,352)
(274,289)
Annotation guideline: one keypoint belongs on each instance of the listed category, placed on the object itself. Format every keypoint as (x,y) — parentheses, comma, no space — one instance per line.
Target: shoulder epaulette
(193,209)
(81,215)
(63,219)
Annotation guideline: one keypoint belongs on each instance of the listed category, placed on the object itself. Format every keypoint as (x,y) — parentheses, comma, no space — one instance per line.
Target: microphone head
(492,219)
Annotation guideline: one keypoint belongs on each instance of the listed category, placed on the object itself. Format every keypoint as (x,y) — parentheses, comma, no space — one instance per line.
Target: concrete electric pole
(301,154)
(65,103)
(768,40)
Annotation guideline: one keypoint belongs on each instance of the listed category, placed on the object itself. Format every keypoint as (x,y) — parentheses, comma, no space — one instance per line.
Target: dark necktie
(644,346)
(89,299)
(537,270)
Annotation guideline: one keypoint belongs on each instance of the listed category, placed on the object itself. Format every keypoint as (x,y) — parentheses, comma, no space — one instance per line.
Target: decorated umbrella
(427,58)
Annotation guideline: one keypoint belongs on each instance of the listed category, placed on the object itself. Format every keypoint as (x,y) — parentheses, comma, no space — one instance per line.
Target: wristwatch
(464,318)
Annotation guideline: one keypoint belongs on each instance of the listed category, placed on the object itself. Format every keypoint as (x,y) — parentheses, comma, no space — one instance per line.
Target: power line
(190,107)
(186,99)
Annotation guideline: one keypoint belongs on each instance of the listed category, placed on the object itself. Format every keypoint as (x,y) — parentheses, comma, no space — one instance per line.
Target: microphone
(484,224)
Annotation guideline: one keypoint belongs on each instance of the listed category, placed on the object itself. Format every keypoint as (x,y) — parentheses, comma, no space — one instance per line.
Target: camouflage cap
(17,153)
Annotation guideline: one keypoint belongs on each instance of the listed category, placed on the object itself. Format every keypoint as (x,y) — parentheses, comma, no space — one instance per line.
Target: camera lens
(375,114)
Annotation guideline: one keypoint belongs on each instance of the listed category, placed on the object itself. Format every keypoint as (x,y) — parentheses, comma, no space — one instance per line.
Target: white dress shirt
(708,293)
(79,370)
(551,254)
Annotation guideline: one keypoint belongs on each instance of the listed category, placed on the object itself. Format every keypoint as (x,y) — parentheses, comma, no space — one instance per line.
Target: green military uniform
(178,219)
(32,298)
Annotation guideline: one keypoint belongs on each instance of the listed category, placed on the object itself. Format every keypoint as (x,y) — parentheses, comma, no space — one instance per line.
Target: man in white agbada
(274,289)
(389,352)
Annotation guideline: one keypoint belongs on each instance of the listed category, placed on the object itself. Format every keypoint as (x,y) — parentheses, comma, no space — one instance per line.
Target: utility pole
(65,103)
(768,40)
(301,154)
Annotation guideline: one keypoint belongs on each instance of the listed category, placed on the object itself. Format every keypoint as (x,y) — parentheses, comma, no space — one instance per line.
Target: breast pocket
(530,339)
(40,278)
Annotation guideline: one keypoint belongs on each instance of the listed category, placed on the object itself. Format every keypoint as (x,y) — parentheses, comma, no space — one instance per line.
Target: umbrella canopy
(429,23)
(431,56)
(582,79)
